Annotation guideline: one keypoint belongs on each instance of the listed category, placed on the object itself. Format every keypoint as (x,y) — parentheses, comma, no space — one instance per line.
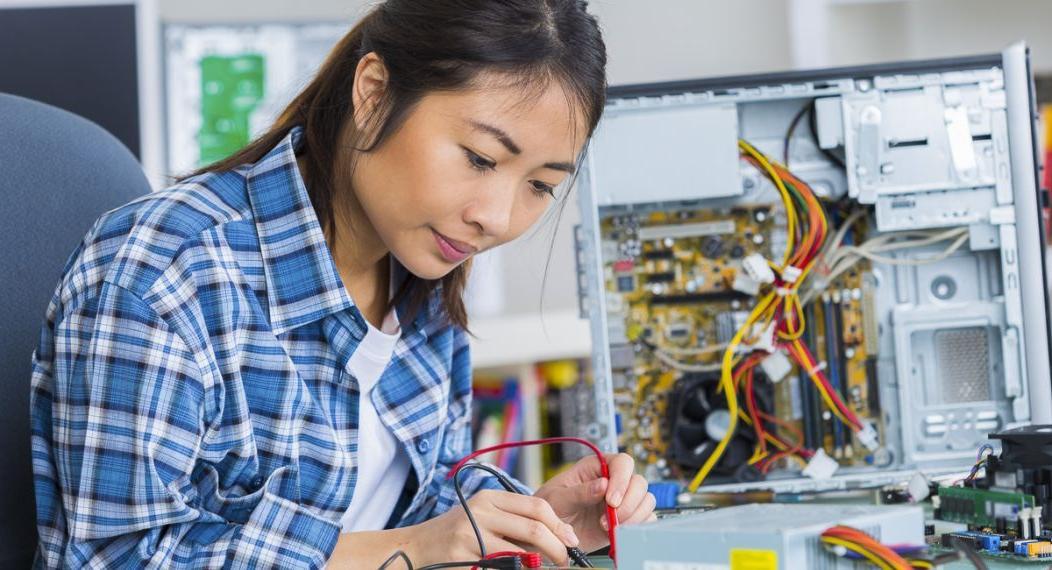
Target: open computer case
(928,320)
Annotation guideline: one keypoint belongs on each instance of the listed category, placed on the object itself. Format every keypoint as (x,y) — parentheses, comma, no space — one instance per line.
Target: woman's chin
(431,267)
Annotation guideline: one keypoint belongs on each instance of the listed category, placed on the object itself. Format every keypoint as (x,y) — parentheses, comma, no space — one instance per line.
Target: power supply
(761,537)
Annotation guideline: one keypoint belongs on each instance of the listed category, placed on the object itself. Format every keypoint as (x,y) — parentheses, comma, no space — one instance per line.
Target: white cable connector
(918,487)
(756,266)
(868,437)
(764,337)
(791,273)
(821,466)
(776,366)
(745,284)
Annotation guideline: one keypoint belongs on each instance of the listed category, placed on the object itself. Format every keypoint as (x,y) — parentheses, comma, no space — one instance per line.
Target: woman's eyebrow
(499,134)
(505,139)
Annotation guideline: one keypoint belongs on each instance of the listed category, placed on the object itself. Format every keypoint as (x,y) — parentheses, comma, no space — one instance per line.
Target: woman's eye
(541,188)
(477,162)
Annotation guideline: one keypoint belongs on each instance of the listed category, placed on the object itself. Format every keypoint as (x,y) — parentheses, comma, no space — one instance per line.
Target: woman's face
(466,172)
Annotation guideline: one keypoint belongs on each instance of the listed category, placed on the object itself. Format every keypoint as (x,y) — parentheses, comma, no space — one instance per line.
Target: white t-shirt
(383,464)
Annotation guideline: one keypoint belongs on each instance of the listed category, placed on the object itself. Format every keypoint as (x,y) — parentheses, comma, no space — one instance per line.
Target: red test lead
(611,513)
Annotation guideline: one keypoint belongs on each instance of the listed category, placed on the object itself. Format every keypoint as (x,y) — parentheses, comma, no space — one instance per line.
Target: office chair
(58,173)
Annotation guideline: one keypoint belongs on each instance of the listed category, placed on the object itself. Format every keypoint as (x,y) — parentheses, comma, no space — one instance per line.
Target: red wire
(751,404)
(746,370)
(529,559)
(808,363)
(604,469)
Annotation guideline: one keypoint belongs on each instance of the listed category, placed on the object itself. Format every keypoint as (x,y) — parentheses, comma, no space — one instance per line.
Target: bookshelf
(529,338)
(511,347)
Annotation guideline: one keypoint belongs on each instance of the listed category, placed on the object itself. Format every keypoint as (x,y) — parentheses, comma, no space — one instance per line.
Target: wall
(660,40)
(918,29)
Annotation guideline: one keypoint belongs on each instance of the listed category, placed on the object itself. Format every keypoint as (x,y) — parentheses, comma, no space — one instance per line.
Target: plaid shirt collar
(303,284)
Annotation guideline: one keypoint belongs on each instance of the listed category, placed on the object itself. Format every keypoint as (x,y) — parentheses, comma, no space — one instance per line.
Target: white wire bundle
(671,362)
(838,258)
(678,351)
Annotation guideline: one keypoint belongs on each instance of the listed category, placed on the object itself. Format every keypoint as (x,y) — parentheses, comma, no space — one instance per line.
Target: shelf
(520,339)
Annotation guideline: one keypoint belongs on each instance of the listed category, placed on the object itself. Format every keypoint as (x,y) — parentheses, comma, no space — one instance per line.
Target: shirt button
(257,482)
(424,445)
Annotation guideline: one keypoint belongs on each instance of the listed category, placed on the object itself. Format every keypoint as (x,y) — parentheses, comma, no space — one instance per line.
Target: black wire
(575,554)
(579,557)
(396,556)
(792,127)
(464,564)
(464,503)
(812,124)
(968,552)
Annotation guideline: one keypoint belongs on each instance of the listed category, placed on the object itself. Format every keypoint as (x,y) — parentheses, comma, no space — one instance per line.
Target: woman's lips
(454,251)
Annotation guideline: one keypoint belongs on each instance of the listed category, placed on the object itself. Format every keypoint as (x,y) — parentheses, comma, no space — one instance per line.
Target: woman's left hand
(580,494)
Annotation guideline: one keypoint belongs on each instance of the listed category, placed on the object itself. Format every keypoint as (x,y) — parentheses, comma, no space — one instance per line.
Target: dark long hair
(428,46)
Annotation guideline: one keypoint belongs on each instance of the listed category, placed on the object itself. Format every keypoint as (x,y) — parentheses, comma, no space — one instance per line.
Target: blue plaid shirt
(191,404)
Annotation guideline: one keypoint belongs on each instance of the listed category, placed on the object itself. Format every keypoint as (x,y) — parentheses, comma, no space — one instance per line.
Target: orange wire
(863,539)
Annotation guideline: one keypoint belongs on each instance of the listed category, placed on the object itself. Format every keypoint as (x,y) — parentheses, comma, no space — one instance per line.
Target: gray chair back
(58,173)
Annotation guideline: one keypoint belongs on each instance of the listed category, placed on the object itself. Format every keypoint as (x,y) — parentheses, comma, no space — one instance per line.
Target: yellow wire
(792,302)
(916,563)
(857,549)
(764,307)
(727,383)
(790,210)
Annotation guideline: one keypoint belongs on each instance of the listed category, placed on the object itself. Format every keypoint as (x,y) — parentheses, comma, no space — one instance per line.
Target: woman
(266,365)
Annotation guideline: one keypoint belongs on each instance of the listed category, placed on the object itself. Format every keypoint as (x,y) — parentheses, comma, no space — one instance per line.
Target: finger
(538,510)
(621,471)
(569,500)
(637,490)
(643,512)
(588,467)
(533,534)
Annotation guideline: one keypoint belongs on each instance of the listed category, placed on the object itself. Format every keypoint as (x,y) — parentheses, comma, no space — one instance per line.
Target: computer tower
(892,210)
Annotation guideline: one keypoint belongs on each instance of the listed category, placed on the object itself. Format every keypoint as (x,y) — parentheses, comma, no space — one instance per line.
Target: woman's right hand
(508,521)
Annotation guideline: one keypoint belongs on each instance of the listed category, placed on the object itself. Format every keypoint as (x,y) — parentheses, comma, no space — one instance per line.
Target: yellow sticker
(749,559)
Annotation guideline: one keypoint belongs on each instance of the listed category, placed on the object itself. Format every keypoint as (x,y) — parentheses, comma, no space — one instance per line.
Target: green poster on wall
(231,89)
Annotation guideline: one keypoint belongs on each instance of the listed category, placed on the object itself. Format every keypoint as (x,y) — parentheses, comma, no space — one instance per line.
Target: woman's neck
(363,264)
(360,256)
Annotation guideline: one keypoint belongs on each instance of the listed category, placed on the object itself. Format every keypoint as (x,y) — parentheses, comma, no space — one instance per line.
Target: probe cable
(604,469)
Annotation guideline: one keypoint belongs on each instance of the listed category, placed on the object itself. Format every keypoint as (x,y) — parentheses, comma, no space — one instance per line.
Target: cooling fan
(698,419)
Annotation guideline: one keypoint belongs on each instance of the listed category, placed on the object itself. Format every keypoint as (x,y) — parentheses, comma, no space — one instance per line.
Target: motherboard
(673,307)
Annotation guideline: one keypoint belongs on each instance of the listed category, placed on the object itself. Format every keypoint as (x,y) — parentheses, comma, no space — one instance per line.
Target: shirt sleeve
(457,443)
(120,413)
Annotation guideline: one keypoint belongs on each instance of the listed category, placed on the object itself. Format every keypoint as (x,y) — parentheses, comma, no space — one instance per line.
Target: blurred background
(186,82)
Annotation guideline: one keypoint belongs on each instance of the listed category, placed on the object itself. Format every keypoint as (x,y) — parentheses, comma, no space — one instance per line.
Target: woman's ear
(370,83)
